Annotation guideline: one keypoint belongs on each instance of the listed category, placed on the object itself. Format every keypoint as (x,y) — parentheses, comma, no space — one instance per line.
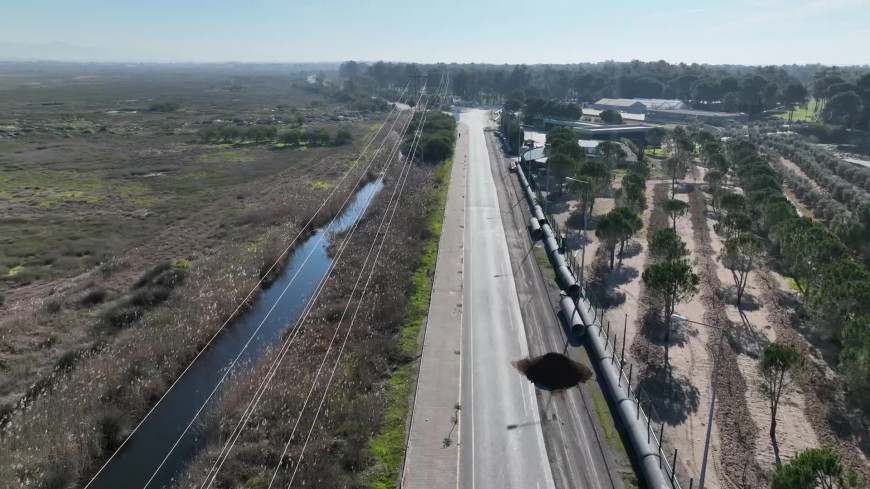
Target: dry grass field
(111,204)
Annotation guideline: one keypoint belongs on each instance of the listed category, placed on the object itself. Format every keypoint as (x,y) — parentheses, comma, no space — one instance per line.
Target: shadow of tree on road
(557,207)
(747,340)
(603,298)
(575,220)
(620,275)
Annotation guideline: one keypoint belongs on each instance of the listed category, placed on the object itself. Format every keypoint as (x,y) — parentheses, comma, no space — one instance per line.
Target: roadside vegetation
(835,287)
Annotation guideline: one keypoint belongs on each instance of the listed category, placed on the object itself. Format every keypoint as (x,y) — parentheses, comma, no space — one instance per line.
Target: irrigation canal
(145,450)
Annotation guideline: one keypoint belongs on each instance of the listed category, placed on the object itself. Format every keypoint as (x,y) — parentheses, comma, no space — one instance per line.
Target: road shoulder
(431,460)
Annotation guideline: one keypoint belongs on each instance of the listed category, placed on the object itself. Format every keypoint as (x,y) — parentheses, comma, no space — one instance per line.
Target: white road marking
(471,320)
(462,331)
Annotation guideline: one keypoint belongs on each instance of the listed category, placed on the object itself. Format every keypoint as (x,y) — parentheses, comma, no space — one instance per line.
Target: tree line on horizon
(731,88)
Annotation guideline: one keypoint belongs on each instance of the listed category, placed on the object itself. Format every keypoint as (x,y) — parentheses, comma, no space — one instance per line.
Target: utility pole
(519,134)
(586,183)
(416,79)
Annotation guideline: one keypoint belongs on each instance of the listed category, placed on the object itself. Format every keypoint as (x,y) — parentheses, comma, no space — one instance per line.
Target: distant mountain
(66,52)
(54,51)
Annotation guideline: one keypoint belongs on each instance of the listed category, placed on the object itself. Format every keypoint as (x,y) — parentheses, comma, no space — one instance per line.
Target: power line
(268,314)
(251,292)
(359,304)
(338,326)
(353,320)
(285,348)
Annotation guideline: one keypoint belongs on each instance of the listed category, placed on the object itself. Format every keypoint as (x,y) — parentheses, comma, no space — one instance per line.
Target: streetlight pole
(547,201)
(519,134)
(520,159)
(678,318)
(585,238)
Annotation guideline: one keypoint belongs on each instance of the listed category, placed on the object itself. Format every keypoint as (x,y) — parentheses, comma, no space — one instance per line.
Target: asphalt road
(578,452)
(502,443)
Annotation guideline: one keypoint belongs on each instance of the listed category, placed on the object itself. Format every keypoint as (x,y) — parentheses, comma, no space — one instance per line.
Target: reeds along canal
(144,452)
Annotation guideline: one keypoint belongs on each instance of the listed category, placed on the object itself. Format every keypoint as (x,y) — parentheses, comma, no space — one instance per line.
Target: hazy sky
(496,31)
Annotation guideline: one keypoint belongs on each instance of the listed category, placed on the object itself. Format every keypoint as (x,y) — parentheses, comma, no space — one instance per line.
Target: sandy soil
(693,365)
(691,360)
(794,432)
(690,353)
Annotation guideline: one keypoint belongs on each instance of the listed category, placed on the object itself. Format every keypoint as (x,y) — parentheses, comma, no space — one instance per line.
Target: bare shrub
(94,297)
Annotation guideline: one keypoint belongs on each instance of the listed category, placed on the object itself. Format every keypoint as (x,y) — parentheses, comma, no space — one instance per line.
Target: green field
(801,113)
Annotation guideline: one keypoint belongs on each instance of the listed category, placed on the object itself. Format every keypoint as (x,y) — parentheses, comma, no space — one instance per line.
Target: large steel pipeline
(647,456)
(530,198)
(550,244)
(565,279)
(522,176)
(566,282)
(575,312)
(539,213)
(535,229)
(558,260)
(547,230)
(573,320)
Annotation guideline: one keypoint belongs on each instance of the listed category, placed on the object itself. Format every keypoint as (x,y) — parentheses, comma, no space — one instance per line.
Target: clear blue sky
(548,31)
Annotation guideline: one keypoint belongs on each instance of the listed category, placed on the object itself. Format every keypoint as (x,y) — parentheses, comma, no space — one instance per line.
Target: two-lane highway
(579,453)
(502,444)
(492,304)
